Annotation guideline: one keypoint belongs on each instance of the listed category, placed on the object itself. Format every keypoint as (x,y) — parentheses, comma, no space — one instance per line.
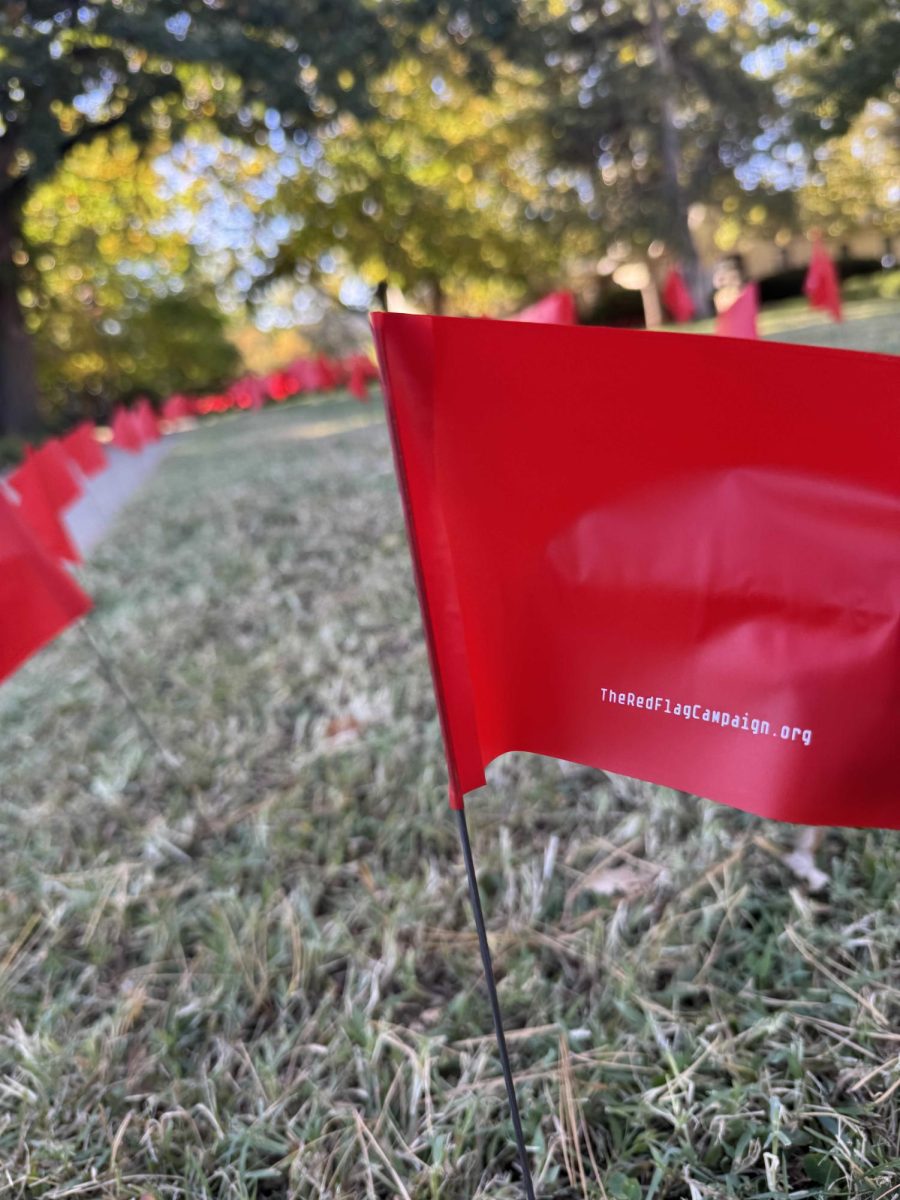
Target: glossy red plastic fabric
(126,430)
(38,598)
(822,286)
(666,555)
(739,321)
(40,514)
(176,408)
(83,448)
(676,297)
(557,308)
(146,421)
(51,463)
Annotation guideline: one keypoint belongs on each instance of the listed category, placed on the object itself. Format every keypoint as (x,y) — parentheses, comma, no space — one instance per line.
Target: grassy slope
(259,978)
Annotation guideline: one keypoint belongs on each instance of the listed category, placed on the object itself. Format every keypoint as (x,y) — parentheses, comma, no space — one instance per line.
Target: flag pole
(114,679)
(475,899)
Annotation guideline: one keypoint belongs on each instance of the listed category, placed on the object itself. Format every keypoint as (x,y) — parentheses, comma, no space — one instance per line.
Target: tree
(650,99)
(838,56)
(103,285)
(446,192)
(855,182)
(70,71)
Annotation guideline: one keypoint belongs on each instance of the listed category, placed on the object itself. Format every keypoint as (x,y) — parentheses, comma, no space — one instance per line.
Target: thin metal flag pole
(114,679)
(486,962)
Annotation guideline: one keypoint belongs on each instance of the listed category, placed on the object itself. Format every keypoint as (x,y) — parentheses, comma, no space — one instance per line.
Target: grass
(869,324)
(255,975)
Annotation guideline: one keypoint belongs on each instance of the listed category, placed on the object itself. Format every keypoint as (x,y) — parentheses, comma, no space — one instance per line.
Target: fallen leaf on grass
(627,880)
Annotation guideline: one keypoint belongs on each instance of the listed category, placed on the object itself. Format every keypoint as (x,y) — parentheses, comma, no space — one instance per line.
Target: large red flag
(739,321)
(40,514)
(822,286)
(677,298)
(679,563)
(557,308)
(83,448)
(38,598)
(51,464)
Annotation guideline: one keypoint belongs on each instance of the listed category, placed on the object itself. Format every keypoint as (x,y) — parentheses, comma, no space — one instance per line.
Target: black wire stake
(114,679)
(475,898)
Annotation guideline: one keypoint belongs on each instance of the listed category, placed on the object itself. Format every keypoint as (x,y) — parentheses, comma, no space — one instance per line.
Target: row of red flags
(821,287)
(38,596)
(304,375)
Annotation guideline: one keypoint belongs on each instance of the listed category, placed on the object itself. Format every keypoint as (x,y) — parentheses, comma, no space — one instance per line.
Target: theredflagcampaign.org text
(710,716)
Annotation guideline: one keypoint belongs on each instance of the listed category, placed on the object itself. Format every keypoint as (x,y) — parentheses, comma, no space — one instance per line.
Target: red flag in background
(51,464)
(676,297)
(38,598)
(679,563)
(360,370)
(83,448)
(739,321)
(282,384)
(145,419)
(557,308)
(822,286)
(176,408)
(40,514)
(126,433)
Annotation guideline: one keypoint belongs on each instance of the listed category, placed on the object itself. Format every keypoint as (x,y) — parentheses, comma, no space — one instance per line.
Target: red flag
(51,464)
(687,571)
(677,298)
(126,432)
(739,321)
(557,308)
(40,514)
(145,419)
(360,369)
(822,286)
(38,598)
(176,408)
(282,384)
(83,448)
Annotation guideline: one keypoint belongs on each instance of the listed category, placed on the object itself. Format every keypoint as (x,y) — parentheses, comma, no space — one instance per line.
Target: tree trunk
(436,297)
(680,236)
(18,376)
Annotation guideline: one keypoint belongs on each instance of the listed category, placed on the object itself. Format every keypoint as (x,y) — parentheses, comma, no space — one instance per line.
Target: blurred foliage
(447,193)
(473,154)
(883,286)
(614,75)
(841,55)
(104,292)
(856,179)
(70,72)
(264,352)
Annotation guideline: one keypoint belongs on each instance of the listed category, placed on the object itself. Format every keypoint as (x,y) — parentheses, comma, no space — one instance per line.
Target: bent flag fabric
(677,298)
(83,448)
(126,430)
(38,598)
(558,308)
(739,321)
(51,464)
(822,286)
(40,514)
(668,556)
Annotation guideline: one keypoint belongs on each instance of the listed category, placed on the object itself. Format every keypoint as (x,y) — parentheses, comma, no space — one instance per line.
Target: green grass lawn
(872,325)
(255,975)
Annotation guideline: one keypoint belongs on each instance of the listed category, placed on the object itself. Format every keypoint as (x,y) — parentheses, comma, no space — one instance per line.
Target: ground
(253,973)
